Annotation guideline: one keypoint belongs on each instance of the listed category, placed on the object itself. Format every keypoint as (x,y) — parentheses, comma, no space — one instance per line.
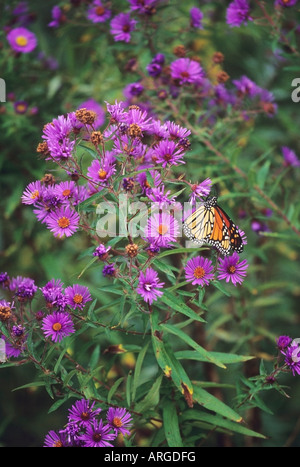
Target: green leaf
(210,402)
(171,425)
(217,421)
(128,388)
(175,304)
(114,388)
(30,385)
(225,358)
(138,367)
(207,356)
(151,400)
(58,403)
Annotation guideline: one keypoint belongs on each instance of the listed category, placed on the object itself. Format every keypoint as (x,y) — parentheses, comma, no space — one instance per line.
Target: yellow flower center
(35,194)
(99,11)
(21,41)
(57,444)
(232,269)
(63,222)
(56,327)
(78,298)
(199,272)
(117,422)
(21,108)
(66,192)
(162,229)
(102,174)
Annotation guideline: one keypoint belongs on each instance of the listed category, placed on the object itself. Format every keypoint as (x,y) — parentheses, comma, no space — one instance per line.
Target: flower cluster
(291,350)
(54,319)
(86,429)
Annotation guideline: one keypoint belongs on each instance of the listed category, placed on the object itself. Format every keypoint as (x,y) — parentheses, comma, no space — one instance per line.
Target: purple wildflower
(77,296)
(196,17)
(290,157)
(48,202)
(143,7)
(58,325)
(83,412)
(200,190)
(24,288)
(97,435)
(99,172)
(14,348)
(62,222)
(198,271)
(292,358)
(119,420)
(4,279)
(57,133)
(121,27)
(148,285)
(32,193)
(246,87)
(168,153)
(55,440)
(109,270)
(133,90)
(20,107)
(162,229)
(58,17)
(22,40)
(186,71)
(54,295)
(238,13)
(283,342)
(231,269)
(286,3)
(101,251)
(98,13)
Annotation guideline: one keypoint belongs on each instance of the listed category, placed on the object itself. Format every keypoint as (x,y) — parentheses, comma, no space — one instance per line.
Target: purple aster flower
(83,412)
(98,13)
(143,7)
(199,271)
(160,197)
(99,172)
(246,87)
(119,420)
(186,71)
(286,3)
(32,193)
(121,26)
(196,17)
(4,279)
(231,269)
(54,295)
(176,131)
(93,105)
(117,111)
(290,157)
(20,107)
(162,229)
(292,358)
(58,17)
(154,69)
(283,342)
(138,122)
(238,13)
(66,190)
(64,221)
(14,348)
(133,90)
(201,190)
(72,432)
(101,251)
(77,296)
(168,153)
(57,133)
(22,40)
(148,285)
(109,270)
(48,202)
(58,325)
(24,288)
(97,435)
(55,440)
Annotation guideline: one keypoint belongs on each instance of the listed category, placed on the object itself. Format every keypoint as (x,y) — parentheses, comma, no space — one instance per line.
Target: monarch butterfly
(210,224)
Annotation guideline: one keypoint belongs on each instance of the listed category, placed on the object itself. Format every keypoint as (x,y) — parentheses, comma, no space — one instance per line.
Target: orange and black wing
(210,224)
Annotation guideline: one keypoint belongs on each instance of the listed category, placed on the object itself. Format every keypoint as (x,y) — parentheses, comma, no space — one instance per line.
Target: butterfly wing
(210,224)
